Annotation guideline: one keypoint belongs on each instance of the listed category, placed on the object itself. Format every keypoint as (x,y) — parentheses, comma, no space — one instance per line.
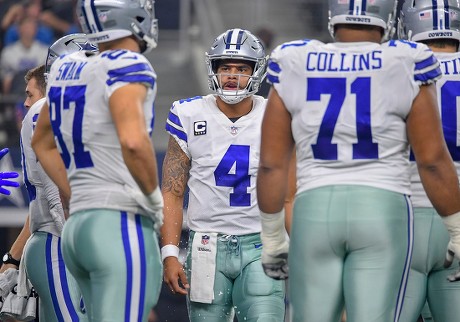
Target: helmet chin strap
(146,43)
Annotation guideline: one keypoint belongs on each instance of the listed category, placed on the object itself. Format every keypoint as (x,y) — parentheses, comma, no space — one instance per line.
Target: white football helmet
(379,13)
(106,20)
(429,19)
(242,45)
(67,45)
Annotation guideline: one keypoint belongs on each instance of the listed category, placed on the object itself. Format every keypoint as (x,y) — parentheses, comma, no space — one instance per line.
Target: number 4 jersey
(78,93)
(349,103)
(224,161)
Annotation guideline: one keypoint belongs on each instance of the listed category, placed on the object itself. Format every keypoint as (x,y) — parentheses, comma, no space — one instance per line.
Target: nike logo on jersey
(257,245)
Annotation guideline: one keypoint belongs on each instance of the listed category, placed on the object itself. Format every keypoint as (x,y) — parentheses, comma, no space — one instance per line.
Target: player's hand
(5,182)
(152,204)
(455,276)
(453,251)
(6,176)
(8,280)
(275,265)
(174,276)
(275,246)
(452,224)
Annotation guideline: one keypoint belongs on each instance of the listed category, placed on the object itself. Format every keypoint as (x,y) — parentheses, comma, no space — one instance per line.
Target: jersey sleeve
(278,59)
(125,67)
(176,129)
(286,63)
(427,69)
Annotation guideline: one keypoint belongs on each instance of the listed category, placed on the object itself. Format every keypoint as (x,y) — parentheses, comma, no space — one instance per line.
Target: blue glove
(3,152)
(5,176)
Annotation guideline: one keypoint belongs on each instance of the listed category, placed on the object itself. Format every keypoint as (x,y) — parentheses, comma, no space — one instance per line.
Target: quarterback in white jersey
(100,120)
(224,158)
(214,150)
(429,281)
(351,108)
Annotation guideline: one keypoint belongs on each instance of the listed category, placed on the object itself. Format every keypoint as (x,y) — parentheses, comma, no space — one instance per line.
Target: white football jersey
(78,93)
(224,161)
(349,103)
(448,88)
(43,193)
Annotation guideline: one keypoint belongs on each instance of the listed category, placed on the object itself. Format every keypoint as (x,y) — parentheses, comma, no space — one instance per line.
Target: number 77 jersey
(349,103)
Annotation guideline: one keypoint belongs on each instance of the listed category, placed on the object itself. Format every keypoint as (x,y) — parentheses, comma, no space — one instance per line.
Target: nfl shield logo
(204,239)
(233,130)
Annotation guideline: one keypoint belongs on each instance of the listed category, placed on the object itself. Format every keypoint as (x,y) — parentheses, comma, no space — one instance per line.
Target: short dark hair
(441,42)
(357,27)
(39,74)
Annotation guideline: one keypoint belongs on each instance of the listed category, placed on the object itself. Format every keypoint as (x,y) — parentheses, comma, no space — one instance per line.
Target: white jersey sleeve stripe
(427,71)
(31,190)
(137,73)
(174,127)
(273,71)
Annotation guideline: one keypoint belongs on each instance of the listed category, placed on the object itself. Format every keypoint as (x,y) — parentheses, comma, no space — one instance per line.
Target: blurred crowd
(27,28)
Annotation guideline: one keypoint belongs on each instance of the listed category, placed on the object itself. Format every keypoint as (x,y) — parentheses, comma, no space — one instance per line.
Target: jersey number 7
(71,97)
(324,149)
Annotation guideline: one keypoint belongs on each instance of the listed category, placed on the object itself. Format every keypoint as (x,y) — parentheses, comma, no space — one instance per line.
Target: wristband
(273,224)
(452,224)
(169,250)
(273,232)
(8,259)
(156,198)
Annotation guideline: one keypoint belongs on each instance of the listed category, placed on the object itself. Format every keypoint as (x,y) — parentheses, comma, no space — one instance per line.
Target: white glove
(452,224)
(57,213)
(152,204)
(8,279)
(275,247)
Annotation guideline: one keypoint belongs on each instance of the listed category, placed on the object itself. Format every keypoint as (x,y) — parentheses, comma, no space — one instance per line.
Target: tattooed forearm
(176,167)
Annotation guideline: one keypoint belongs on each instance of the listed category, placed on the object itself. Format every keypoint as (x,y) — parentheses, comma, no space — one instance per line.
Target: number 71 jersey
(349,103)
(224,162)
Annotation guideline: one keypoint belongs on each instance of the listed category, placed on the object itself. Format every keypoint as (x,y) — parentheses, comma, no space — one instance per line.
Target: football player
(437,24)
(100,112)
(60,297)
(351,108)
(214,150)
